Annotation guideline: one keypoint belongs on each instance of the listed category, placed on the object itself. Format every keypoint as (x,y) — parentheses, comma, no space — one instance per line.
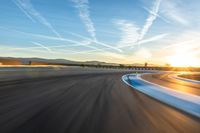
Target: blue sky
(121,31)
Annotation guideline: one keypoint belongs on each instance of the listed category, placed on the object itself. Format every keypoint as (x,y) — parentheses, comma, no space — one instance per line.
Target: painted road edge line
(187,96)
(182,101)
(185,79)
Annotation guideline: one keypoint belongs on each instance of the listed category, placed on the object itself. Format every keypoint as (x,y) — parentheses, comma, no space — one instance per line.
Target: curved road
(167,80)
(85,103)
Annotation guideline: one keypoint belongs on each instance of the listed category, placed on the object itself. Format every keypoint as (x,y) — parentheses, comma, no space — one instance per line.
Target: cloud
(179,44)
(89,41)
(27,8)
(170,10)
(151,39)
(151,18)
(143,53)
(42,46)
(74,43)
(84,13)
(85,42)
(185,43)
(154,38)
(186,39)
(156,14)
(129,32)
(22,9)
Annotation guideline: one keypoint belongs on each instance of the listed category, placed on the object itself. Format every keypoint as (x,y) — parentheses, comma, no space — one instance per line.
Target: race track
(86,103)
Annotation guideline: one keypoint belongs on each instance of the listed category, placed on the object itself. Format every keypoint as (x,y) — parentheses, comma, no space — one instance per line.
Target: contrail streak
(97,42)
(42,46)
(27,8)
(128,45)
(150,12)
(19,6)
(149,21)
(84,13)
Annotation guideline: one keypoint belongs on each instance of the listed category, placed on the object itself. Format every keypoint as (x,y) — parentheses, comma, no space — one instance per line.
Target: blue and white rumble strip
(186,102)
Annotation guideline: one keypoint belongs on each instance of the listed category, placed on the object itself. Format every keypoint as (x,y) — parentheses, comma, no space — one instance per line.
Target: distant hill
(54,61)
(101,63)
(18,61)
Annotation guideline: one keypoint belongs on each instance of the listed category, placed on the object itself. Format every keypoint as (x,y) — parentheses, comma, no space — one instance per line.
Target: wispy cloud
(185,39)
(171,10)
(97,42)
(38,47)
(151,18)
(129,32)
(148,40)
(85,42)
(154,38)
(27,8)
(22,9)
(84,13)
(156,14)
(42,46)
(143,53)
(73,43)
(179,44)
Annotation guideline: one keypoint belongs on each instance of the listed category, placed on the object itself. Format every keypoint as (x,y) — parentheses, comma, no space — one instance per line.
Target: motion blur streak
(84,103)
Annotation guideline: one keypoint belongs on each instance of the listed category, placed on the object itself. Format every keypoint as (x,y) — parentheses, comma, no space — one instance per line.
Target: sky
(117,31)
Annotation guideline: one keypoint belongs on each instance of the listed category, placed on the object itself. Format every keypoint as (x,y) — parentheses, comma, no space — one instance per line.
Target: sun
(183,56)
(183,60)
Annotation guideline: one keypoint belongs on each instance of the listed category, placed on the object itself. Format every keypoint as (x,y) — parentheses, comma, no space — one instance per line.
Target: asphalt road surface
(86,103)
